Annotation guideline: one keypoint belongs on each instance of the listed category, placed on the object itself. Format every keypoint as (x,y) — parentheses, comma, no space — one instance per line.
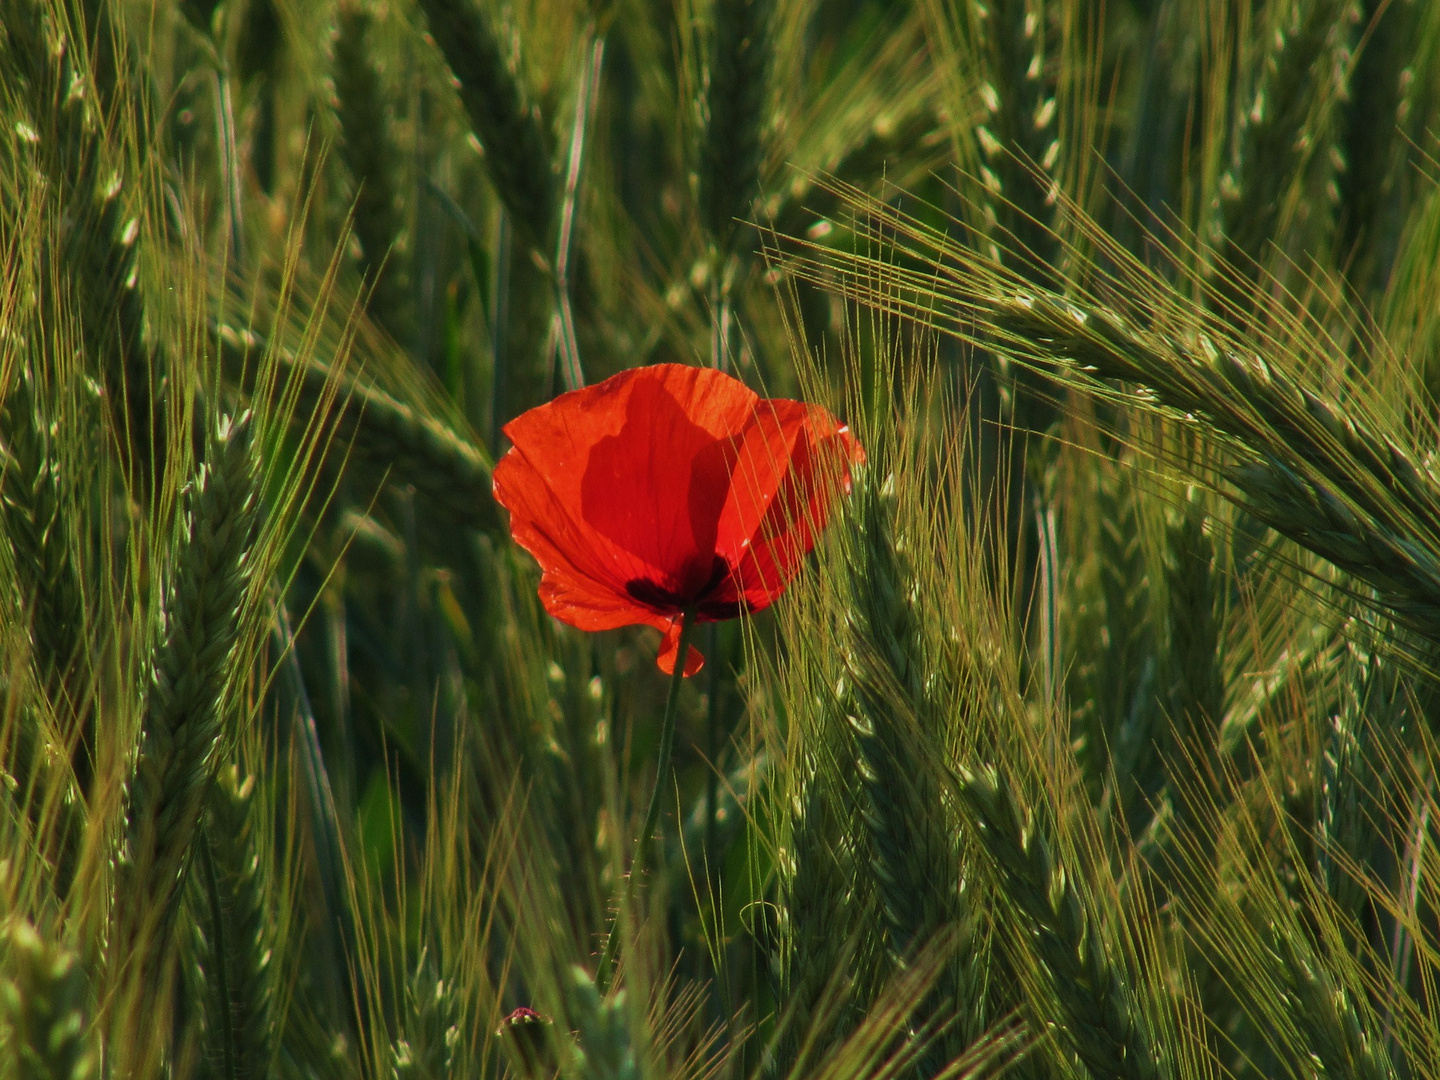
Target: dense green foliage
(1096,738)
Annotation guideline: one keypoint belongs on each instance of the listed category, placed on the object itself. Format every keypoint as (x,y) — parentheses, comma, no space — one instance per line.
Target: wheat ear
(1381,91)
(366,151)
(732,146)
(1124,682)
(425,1050)
(1279,124)
(44,1005)
(234,937)
(186,698)
(1326,1015)
(1318,473)
(914,857)
(97,238)
(1103,1024)
(31,502)
(603,1049)
(1196,679)
(413,446)
(818,892)
(512,131)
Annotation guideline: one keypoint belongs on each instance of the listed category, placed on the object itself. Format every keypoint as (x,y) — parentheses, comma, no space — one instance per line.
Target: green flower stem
(652,814)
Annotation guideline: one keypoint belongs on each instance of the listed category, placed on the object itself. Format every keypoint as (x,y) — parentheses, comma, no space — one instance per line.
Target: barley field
(1080,721)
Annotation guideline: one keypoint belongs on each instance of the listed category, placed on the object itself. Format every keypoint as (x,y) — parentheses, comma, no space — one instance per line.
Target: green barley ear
(915,860)
(31,516)
(425,1049)
(233,936)
(1102,1023)
(36,515)
(187,695)
(445,467)
(818,895)
(96,243)
(510,127)
(1328,1016)
(1347,819)
(408,442)
(44,1006)
(1019,139)
(603,1049)
(1319,472)
(1119,687)
(732,140)
(1196,678)
(1380,91)
(366,151)
(1284,123)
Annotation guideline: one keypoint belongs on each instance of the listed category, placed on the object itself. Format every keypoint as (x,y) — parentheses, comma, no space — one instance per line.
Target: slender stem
(219,957)
(499,325)
(712,744)
(570,369)
(721,318)
(652,813)
(229,159)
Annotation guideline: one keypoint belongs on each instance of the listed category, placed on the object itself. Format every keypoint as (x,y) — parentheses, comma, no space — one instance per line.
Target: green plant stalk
(652,812)
(499,330)
(220,954)
(712,750)
(569,346)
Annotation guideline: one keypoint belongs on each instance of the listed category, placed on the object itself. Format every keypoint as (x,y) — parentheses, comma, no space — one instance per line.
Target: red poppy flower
(669,489)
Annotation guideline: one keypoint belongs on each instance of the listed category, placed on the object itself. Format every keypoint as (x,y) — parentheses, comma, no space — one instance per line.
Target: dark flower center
(654,595)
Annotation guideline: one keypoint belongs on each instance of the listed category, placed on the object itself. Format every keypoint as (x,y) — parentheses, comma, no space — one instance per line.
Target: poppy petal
(793,460)
(670,646)
(656,487)
(592,480)
(669,489)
